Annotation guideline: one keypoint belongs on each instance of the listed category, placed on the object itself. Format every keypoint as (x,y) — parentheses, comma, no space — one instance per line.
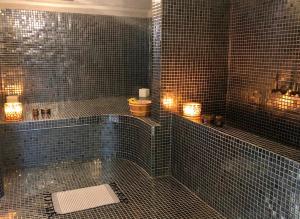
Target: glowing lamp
(192,109)
(169,101)
(285,102)
(13,109)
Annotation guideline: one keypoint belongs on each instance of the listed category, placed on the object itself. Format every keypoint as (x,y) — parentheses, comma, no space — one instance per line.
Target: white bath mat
(83,199)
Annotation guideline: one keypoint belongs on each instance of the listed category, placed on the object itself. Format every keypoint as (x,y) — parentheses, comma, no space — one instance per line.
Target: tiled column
(162,144)
(189,64)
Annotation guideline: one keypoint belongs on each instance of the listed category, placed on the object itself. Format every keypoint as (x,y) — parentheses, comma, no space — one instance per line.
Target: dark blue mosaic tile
(161,151)
(190,48)
(1,184)
(148,197)
(224,168)
(49,56)
(264,63)
(79,130)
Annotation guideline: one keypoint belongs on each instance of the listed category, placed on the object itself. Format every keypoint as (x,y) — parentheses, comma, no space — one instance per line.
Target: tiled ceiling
(140,4)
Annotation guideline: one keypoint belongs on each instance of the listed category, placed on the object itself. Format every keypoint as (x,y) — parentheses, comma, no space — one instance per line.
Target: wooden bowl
(140,109)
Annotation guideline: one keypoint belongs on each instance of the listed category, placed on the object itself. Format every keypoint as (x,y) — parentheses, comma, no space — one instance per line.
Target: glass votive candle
(13,111)
(192,109)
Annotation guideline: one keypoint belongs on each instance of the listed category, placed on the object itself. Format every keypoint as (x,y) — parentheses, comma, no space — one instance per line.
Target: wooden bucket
(140,110)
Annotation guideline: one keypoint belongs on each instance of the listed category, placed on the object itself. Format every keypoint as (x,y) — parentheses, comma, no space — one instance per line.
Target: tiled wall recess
(264,48)
(49,56)
(237,178)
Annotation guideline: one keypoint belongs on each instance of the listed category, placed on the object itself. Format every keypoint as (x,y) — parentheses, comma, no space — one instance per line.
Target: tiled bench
(78,130)
(239,174)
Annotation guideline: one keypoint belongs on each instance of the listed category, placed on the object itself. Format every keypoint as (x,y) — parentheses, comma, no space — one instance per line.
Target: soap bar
(144,93)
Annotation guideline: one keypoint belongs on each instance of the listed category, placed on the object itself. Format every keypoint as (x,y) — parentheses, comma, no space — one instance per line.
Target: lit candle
(13,109)
(285,102)
(192,109)
(169,101)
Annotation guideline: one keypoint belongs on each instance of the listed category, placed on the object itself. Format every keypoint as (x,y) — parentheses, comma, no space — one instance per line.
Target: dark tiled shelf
(78,110)
(229,130)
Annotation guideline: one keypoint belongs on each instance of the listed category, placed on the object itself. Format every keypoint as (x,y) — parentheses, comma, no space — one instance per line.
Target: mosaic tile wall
(264,63)
(48,56)
(1,184)
(237,178)
(194,52)
(190,46)
(41,143)
(1,169)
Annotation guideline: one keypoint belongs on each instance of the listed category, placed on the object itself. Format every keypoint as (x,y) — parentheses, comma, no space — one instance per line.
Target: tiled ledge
(241,136)
(72,113)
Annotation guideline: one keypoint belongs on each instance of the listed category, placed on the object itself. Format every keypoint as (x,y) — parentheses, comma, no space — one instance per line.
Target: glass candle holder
(13,111)
(169,101)
(192,109)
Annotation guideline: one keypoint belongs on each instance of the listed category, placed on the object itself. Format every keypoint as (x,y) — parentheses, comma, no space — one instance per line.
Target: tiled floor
(148,198)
